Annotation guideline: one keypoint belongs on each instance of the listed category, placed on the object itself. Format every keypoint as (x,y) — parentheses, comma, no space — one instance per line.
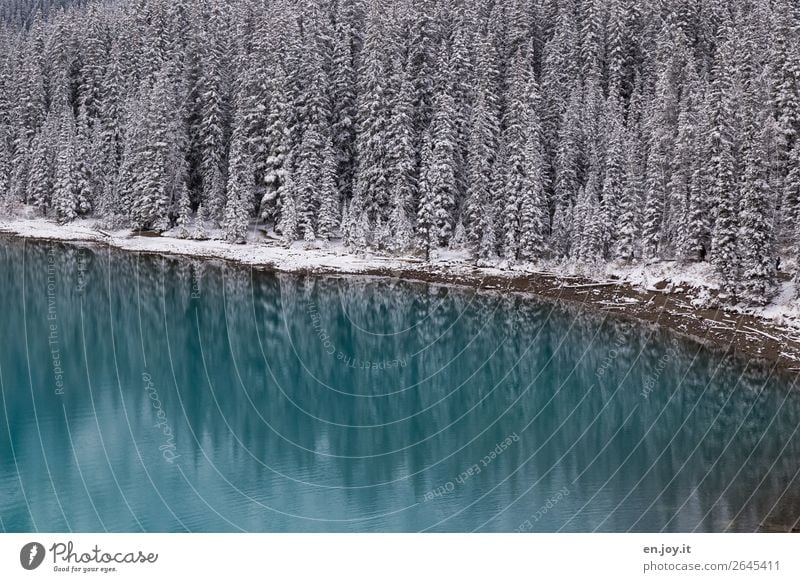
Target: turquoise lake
(145,393)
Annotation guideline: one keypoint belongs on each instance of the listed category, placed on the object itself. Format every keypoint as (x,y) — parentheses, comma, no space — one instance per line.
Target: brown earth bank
(716,328)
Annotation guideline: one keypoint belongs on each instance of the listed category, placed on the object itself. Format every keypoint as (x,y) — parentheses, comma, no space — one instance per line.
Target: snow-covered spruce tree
(484,129)
(441,170)
(588,228)
(756,238)
(614,173)
(289,222)
(661,127)
(371,178)
(629,224)
(65,203)
(493,209)
(316,105)
(199,231)
(30,107)
(692,223)
(312,175)
(5,169)
(402,165)
(683,189)
(567,151)
(110,123)
(40,175)
(616,49)
(560,66)
(791,188)
(426,209)
(215,107)
(120,201)
(514,137)
(487,250)
(591,35)
(721,178)
(6,83)
(785,72)
(460,85)
(241,183)
(591,138)
(152,165)
(577,226)
(308,170)
(525,213)
(276,143)
(93,56)
(330,211)
(534,216)
(252,102)
(343,97)
(422,60)
(184,213)
(86,150)
(561,231)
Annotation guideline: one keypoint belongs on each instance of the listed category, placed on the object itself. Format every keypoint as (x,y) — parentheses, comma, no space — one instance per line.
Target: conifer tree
(277,143)
(5,169)
(614,171)
(588,230)
(426,210)
(289,222)
(525,213)
(152,164)
(401,160)
(343,97)
(371,179)
(441,170)
(630,201)
(561,231)
(330,203)
(214,95)
(722,176)
(40,176)
(567,152)
(484,128)
(690,213)
(241,184)
(756,237)
(786,81)
(65,203)
(184,212)
(791,189)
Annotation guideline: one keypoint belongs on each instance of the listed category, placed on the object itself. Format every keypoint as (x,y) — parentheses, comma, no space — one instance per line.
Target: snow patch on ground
(674,275)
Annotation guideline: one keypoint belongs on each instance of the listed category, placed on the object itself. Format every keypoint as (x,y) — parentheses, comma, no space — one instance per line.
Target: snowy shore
(682,298)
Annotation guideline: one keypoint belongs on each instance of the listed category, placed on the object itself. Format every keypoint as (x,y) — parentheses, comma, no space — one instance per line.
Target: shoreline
(664,304)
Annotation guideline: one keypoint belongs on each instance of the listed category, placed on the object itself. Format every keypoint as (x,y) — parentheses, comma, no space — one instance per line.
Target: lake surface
(143,393)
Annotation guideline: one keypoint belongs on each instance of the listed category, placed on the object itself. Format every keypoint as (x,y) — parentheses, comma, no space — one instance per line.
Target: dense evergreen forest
(23,12)
(582,130)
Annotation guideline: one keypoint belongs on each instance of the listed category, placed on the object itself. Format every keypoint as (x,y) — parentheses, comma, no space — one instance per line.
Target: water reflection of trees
(237,357)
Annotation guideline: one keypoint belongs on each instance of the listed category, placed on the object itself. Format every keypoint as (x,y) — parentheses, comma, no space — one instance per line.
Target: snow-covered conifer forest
(582,130)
